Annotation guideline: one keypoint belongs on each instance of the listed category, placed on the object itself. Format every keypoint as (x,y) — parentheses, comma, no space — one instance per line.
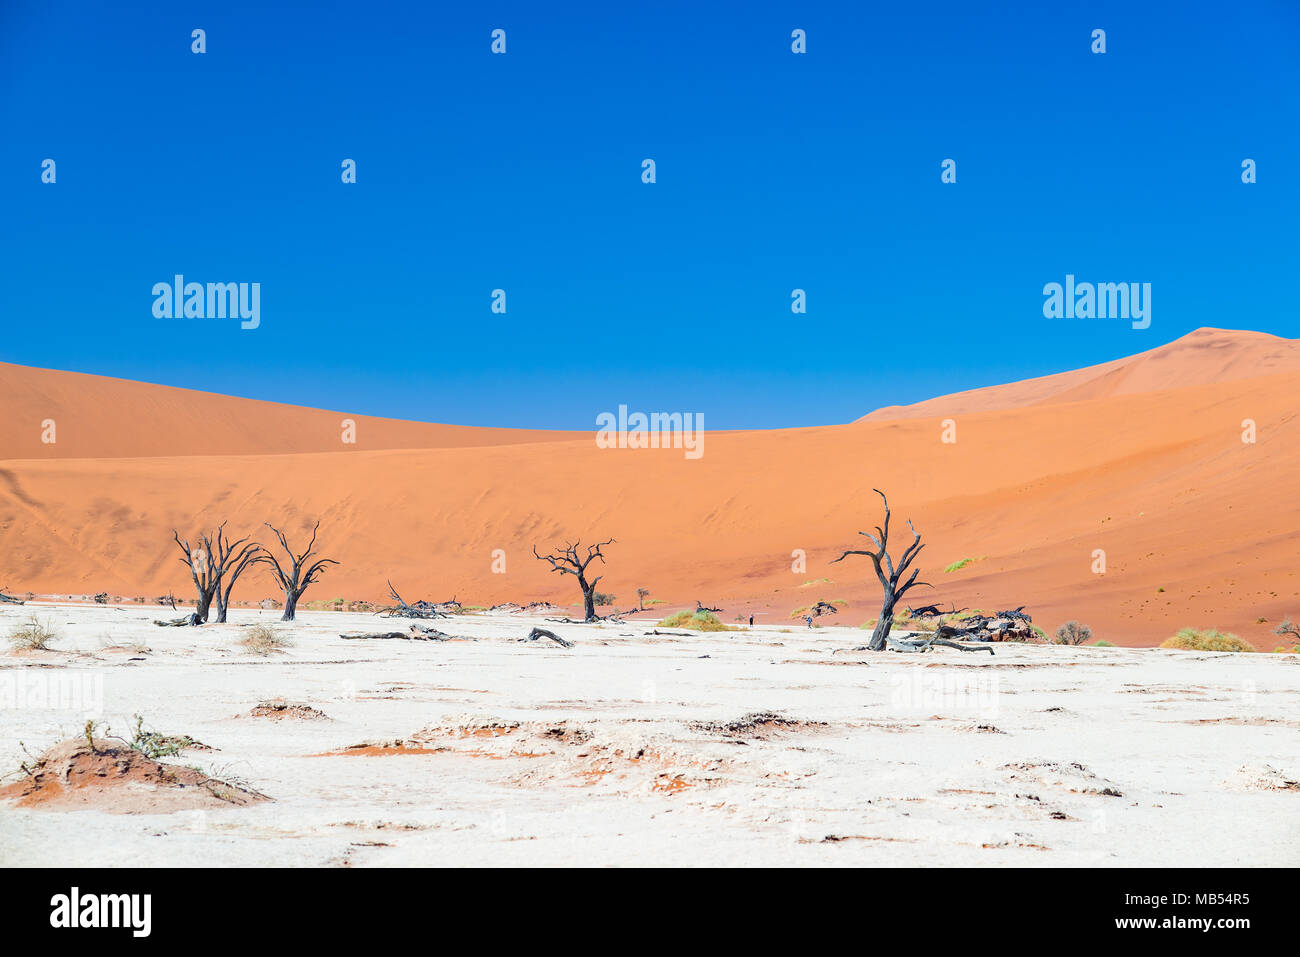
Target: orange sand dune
(1198,528)
(1206,355)
(101,417)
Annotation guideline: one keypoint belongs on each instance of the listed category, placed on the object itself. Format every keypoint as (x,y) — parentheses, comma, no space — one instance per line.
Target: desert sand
(1141,458)
(630,748)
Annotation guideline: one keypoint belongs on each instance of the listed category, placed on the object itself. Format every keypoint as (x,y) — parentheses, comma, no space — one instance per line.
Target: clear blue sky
(522,171)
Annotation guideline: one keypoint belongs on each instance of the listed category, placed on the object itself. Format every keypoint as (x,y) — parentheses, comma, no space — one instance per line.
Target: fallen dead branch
(417,633)
(419,609)
(544,633)
(928,642)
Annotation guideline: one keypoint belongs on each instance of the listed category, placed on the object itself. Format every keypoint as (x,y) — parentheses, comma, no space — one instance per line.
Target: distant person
(751,621)
(808,618)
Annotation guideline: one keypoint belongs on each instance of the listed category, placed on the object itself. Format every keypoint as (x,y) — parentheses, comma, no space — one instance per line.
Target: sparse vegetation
(152,744)
(696,621)
(1190,639)
(33,635)
(263,640)
(1102,643)
(1073,633)
(961,563)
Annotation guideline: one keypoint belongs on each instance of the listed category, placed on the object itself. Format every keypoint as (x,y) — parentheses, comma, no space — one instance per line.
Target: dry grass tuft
(1189,639)
(264,640)
(32,635)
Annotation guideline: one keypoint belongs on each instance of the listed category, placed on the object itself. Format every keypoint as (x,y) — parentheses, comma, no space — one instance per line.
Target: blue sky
(775,171)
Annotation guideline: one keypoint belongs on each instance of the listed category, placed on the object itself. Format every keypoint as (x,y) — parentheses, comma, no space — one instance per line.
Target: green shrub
(696,621)
(1102,643)
(960,564)
(1189,639)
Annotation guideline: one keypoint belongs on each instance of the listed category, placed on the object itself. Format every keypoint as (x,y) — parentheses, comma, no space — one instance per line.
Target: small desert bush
(152,744)
(1102,643)
(262,640)
(696,621)
(960,564)
(1073,633)
(1189,639)
(32,635)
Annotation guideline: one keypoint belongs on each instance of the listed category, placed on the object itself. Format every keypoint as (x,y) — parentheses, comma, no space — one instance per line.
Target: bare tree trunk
(883,624)
(588,599)
(290,606)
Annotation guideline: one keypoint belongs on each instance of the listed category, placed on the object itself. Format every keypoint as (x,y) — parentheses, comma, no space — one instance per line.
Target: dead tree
(700,608)
(1288,629)
(230,560)
(888,574)
(641,595)
(203,573)
(570,562)
(294,580)
(9,599)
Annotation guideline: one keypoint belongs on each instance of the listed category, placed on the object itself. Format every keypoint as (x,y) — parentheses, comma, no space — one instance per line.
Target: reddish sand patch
(120,780)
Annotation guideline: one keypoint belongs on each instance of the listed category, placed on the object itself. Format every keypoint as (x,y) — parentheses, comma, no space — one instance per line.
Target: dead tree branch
(545,633)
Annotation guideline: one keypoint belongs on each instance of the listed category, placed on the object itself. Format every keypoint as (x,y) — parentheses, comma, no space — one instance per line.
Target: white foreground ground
(616,751)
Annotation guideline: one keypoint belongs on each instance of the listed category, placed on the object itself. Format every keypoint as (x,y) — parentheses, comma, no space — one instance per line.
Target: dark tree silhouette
(888,574)
(641,595)
(202,572)
(1288,629)
(294,580)
(229,561)
(570,562)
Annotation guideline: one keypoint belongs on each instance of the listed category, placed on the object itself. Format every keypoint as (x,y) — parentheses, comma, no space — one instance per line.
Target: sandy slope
(102,417)
(619,750)
(1198,528)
